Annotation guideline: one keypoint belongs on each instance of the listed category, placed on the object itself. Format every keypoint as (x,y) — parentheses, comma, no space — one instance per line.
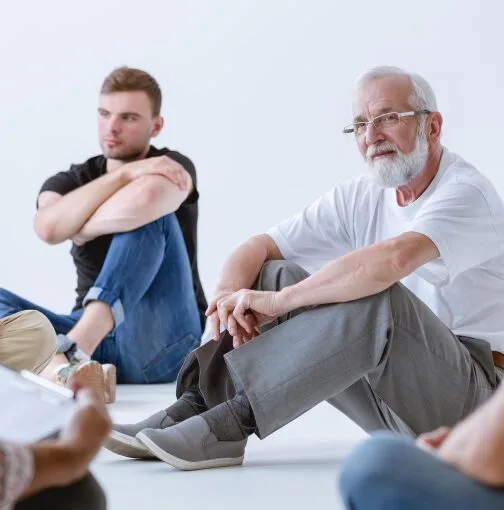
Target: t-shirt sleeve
(318,233)
(191,169)
(466,226)
(62,182)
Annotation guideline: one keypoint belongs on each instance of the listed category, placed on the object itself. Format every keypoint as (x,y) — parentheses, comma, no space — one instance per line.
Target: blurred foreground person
(460,468)
(54,473)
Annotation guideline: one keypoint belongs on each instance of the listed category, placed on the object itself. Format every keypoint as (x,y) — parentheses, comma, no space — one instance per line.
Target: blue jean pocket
(165,366)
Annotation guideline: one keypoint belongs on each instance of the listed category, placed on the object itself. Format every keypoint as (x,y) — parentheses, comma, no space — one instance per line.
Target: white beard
(400,169)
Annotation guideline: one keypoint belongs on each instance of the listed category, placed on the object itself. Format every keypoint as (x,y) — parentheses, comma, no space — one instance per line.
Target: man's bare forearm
(353,276)
(142,201)
(361,273)
(66,217)
(242,268)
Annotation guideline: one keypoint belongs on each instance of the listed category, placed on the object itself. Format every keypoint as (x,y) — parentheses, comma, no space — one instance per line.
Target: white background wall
(256,93)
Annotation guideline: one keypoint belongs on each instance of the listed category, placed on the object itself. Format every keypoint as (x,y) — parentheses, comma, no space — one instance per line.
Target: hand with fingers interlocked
(242,313)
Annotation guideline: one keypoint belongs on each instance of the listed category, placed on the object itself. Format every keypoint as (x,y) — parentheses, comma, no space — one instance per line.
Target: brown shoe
(89,374)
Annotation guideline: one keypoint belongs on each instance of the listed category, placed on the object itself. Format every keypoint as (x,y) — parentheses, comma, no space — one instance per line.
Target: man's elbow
(46,230)
(264,244)
(398,261)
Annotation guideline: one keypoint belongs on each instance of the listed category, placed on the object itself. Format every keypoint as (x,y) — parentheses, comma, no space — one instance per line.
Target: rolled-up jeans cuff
(98,294)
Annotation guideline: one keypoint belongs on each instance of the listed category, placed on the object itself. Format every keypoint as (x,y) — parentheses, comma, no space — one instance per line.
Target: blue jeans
(147,282)
(390,472)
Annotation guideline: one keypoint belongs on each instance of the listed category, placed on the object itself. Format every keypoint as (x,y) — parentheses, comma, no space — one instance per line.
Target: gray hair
(423,97)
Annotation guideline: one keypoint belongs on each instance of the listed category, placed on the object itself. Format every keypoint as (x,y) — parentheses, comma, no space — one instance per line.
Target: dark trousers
(83,495)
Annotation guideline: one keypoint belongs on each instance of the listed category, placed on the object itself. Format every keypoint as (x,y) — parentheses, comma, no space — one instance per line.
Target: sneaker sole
(90,375)
(110,375)
(186,465)
(127,446)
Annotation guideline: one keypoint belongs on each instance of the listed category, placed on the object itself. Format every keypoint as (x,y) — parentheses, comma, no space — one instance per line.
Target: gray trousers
(385,361)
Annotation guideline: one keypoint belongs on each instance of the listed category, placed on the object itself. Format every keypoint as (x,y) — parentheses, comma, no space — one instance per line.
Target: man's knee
(164,224)
(45,338)
(31,341)
(373,466)
(38,325)
(5,294)
(277,274)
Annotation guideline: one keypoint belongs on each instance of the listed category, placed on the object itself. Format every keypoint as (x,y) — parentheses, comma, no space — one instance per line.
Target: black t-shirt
(89,258)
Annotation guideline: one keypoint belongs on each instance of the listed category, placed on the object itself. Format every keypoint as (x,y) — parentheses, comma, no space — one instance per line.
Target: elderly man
(393,315)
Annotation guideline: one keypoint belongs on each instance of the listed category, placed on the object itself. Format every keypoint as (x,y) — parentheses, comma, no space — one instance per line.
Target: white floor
(295,468)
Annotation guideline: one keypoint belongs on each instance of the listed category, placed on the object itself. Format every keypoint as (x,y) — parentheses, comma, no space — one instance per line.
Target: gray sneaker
(191,445)
(122,438)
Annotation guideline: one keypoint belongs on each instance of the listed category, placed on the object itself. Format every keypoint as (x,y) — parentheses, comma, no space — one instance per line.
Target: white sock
(81,355)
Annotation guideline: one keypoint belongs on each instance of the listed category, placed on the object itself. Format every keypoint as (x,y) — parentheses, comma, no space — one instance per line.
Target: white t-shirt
(461,212)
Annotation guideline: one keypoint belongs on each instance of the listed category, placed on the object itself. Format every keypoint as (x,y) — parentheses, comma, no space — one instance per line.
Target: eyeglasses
(381,122)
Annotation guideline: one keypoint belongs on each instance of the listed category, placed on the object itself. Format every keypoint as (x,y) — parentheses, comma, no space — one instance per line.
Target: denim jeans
(147,282)
(390,472)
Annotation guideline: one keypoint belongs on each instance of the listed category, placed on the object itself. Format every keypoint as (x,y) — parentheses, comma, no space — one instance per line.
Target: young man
(132,215)
(400,323)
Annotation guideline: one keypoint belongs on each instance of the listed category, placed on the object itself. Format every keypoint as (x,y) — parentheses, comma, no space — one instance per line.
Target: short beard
(401,168)
(125,155)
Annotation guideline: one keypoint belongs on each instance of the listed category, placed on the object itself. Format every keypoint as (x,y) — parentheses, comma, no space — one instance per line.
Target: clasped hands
(243,312)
